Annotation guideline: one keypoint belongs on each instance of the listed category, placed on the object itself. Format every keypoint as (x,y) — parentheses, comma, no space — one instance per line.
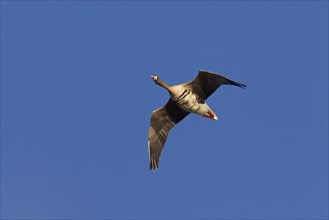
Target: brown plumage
(189,96)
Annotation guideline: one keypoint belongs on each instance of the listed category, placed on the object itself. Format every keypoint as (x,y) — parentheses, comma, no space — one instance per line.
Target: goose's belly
(192,103)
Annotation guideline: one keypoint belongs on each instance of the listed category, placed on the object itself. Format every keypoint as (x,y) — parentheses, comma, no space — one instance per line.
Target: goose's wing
(162,120)
(206,83)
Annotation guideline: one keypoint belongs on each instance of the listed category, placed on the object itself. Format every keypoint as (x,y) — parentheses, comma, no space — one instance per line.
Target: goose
(184,99)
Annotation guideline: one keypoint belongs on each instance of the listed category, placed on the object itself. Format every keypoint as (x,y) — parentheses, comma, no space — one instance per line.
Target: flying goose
(184,99)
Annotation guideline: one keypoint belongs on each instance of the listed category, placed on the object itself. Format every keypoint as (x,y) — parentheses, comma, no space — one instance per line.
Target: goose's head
(156,79)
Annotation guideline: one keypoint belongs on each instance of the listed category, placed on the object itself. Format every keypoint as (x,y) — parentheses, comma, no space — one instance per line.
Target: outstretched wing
(162,120)
(206,83)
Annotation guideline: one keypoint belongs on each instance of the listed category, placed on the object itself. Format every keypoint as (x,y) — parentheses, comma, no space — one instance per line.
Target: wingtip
(243,86)
(153,169)
(154,166)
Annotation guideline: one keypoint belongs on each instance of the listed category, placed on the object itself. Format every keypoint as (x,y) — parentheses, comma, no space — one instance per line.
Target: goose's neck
(164,85)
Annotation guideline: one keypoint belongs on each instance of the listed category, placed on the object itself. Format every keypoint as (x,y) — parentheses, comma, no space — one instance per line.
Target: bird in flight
(184,99)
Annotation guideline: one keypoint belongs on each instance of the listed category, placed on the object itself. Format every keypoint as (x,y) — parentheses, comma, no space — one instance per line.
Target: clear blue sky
(76,100)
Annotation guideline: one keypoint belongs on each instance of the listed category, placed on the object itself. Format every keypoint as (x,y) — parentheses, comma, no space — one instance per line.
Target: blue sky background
(76,100)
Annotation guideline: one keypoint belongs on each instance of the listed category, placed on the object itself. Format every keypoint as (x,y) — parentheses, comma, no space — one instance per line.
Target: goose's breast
(191,102)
